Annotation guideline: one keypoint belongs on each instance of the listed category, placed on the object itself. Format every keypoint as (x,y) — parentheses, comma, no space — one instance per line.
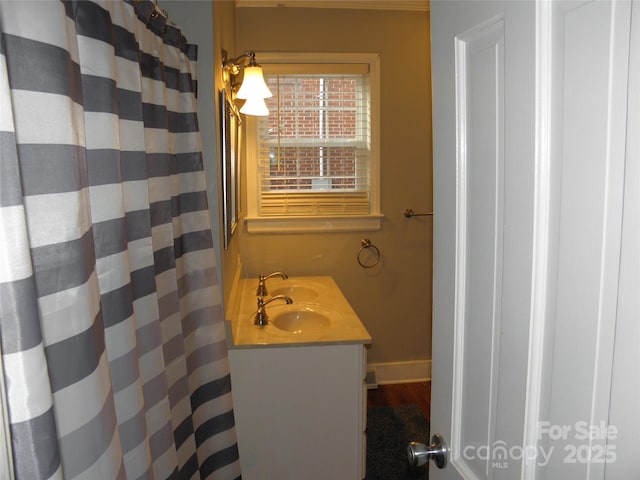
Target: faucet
(261,291)
(261,315)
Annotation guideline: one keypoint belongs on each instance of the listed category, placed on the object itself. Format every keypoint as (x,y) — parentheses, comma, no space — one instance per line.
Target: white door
(531,109)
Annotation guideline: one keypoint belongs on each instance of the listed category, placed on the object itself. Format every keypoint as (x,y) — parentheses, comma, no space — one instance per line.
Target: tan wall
(394,299)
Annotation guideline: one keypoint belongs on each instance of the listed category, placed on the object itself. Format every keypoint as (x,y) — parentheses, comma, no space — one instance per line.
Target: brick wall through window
(312,137)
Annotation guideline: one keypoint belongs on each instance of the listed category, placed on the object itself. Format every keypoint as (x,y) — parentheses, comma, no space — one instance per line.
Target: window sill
(313,224)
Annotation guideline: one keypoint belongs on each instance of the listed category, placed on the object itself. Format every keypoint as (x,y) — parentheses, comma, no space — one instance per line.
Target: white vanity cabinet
(300,411)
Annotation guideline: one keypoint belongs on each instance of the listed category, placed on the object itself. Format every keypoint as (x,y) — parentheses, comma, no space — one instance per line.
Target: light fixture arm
(233,64)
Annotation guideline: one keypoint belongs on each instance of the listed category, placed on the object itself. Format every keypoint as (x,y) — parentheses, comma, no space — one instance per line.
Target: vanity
(298,382)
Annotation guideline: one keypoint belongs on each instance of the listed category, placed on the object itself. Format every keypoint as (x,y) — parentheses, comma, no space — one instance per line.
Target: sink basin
(299,293)
(301,320)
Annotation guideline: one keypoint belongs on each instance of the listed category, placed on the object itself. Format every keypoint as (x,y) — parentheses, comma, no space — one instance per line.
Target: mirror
(231,125)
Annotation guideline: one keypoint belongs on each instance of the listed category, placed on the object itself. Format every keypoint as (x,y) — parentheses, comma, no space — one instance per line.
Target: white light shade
(253,85)
(255,106)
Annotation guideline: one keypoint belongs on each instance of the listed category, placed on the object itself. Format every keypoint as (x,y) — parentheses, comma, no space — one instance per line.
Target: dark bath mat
(389,431)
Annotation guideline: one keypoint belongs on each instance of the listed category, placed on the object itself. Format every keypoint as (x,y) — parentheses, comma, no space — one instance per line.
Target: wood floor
(418,393)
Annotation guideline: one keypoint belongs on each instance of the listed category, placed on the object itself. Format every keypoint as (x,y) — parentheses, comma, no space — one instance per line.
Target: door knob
(419,453)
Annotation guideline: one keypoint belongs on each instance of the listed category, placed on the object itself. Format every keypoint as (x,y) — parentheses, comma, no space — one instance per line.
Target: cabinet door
(299,411)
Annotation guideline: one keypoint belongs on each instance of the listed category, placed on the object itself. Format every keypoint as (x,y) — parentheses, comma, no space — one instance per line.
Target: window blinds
(314,148)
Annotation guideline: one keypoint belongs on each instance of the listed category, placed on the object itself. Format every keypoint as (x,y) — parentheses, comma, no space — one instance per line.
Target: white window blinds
(314,148)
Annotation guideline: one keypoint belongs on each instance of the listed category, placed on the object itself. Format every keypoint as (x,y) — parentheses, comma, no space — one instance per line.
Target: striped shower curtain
(113,345)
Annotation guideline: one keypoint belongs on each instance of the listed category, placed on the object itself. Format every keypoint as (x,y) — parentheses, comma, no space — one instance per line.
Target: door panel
(625,390)
(592,46)
(480,217)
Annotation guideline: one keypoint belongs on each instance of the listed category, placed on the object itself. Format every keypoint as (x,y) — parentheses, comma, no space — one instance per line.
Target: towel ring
(365,244)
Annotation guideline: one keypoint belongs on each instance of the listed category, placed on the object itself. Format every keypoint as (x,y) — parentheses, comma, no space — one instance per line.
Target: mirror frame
(231,136)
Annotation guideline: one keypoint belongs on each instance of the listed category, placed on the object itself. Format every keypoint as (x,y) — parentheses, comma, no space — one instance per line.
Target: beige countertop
(319,295)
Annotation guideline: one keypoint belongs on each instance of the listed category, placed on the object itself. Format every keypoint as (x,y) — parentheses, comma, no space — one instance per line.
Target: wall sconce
(253,89)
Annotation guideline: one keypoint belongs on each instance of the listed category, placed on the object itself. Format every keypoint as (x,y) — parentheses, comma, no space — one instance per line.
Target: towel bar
(410,213)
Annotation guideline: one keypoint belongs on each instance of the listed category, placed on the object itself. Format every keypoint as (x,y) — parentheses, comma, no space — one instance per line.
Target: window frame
(257,223)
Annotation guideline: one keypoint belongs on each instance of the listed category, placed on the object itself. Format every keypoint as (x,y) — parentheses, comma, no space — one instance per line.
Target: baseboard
(400,372)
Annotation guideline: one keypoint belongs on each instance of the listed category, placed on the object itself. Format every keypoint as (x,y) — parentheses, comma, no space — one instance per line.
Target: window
(313,162)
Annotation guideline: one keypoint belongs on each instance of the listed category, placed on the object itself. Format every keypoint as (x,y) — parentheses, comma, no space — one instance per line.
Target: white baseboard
(401,372)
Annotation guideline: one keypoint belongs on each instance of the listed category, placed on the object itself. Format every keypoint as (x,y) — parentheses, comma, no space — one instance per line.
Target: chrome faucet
(261,315)
(261,291)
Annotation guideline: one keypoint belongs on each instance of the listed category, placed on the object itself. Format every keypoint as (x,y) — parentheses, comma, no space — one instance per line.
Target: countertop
(319,293)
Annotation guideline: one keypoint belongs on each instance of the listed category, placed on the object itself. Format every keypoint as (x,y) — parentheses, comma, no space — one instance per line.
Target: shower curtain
(113,344)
